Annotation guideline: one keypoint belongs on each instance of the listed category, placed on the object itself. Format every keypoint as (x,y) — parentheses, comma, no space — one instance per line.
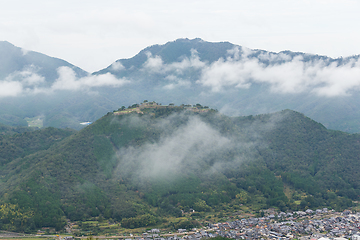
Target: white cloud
(117,66)
(68,81)
(24,51)
(289,77)
(192,62)
(176,82)
(187,144)
(338,80)
(226,73)
(235,53)
(186,147)
(156,64)
(274,57)
(19,82)
(28,76)
(10,89)
(29,81)
(153,64)
(283,73)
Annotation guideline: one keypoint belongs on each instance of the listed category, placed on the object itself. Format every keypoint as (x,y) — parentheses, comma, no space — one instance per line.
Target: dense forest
(138,165)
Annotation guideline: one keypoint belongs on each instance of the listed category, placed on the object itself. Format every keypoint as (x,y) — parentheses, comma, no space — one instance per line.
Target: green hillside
(143,164)
(10,130)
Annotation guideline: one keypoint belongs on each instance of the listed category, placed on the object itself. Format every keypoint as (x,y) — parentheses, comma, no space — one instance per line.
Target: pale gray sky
(93,34)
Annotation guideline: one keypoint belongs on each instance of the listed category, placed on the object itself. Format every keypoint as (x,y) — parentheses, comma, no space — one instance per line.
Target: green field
(35,121)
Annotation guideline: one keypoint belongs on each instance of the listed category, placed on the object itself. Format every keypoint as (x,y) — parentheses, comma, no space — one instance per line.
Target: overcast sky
(93,34)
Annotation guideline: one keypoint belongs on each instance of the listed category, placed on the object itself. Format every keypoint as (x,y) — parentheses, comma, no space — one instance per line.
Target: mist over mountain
(59,93)
(233,79)
(241,81)
(34,67)
(141,165)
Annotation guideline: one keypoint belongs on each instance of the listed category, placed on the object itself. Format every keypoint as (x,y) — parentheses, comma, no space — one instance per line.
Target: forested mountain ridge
(139,168)
(234,79)
(20,145)
(10,130)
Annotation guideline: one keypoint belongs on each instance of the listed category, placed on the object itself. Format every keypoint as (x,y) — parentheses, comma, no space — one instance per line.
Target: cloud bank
(186,145)
(68,81)
(10,88)
(20,82)
(182,150)
(29,81)
(282,72)
(117,66)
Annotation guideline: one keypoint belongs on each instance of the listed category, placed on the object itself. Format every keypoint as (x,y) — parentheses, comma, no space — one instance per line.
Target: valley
(181,120)
(275,139)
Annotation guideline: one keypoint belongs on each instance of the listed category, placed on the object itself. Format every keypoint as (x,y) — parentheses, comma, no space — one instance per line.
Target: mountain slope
(172,52)
(14,59)
(143,166)
(26,78)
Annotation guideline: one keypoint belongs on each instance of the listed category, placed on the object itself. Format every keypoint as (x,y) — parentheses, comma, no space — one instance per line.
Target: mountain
(240,81)
(143,164)
(169,53)
(38,86)
(233,79)
(15,61)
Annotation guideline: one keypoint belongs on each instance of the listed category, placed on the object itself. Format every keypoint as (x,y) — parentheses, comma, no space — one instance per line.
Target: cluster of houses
(320,224)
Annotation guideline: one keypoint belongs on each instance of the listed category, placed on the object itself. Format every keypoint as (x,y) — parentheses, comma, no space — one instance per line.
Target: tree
(15,219)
